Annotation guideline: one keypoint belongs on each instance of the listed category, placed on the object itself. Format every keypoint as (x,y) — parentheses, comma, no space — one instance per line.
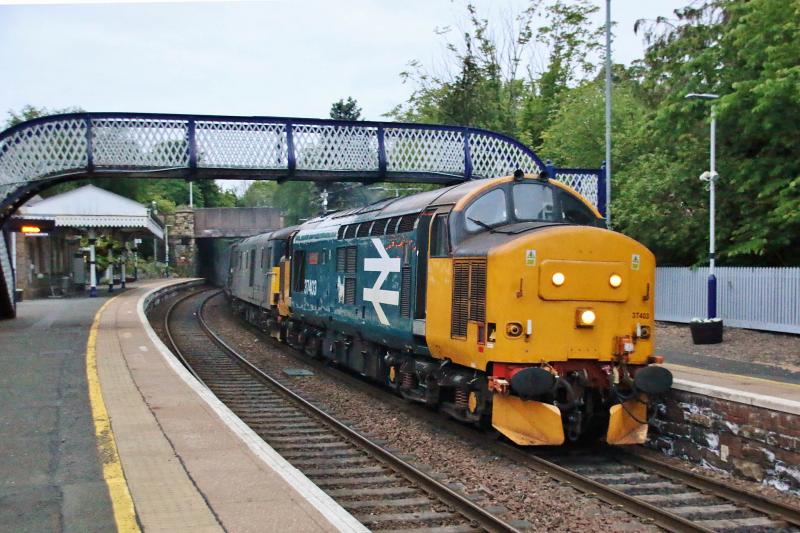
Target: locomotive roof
(402,205)
(280,234)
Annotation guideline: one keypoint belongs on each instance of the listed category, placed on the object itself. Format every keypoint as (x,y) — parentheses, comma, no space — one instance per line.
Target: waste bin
(706,332)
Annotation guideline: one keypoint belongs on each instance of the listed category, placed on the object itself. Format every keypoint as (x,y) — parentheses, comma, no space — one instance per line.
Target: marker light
(585,318)
(558,279)
(31,229)
(615,280)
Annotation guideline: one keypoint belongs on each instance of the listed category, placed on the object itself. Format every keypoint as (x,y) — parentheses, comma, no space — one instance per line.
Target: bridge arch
(41,152)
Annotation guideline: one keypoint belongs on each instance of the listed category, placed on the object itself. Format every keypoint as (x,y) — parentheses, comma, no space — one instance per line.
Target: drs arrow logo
(385,265)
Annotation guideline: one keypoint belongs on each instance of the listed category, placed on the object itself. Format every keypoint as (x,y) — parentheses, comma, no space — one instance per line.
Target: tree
(259,194)
(748,53)
(494,78)
(345,110)
(340,194)
(294,198)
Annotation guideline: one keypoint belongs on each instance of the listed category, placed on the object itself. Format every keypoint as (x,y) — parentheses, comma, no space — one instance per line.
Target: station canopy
(92,207)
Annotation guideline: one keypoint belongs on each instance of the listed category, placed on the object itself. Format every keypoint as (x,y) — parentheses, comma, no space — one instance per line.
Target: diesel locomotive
(502,301)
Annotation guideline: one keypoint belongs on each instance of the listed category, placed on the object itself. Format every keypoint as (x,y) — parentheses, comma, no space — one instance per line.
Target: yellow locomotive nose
(587,287)
(585,300)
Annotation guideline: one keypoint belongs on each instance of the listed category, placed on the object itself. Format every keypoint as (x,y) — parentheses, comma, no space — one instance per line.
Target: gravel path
(746,345)
(547,505)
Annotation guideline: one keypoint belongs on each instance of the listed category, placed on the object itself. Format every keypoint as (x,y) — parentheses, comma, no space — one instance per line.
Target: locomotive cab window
(488,210)
(547,203)
(534,201)
(576,211)
(440,238)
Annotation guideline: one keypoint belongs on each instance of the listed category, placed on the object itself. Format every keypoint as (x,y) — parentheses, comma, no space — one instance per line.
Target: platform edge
(327,507)
(748,398)
(122,505)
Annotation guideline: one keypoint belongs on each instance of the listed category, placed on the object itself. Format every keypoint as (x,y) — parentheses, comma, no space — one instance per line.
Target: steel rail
(644,510)
(649,513)
(476,515)
(167,331)
(757,502)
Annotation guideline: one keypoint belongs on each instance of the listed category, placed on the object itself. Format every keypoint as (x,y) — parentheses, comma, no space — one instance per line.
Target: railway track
(376,486)
(659,493)
(655,491)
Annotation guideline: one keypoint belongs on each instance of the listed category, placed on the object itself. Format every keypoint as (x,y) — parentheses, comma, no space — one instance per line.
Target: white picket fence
(748,297)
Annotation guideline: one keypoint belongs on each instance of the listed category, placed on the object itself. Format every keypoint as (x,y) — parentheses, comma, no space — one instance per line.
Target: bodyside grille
(405,291)
(477,292)
(350,291)
(469,295)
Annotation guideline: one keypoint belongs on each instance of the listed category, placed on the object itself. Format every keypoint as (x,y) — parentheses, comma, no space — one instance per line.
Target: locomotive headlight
(559,279)
(615,280)
(585,318)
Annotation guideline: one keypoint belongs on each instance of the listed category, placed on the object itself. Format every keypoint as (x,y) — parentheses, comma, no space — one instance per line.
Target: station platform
(51,477)
(103,429)
(769,394)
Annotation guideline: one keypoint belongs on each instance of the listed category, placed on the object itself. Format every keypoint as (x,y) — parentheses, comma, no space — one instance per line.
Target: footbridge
(39,153)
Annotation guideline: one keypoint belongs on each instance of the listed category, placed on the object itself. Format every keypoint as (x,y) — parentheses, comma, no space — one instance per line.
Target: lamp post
(711,177)
(608,113)
(166,246)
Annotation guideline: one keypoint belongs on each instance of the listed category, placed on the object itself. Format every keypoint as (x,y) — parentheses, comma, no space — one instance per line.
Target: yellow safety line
(121,501)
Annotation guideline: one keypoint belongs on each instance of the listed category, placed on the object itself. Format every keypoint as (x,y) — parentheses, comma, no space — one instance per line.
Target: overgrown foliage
(537,75)
(747,52)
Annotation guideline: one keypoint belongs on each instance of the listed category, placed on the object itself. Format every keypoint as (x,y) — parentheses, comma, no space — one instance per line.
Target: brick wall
(751,442)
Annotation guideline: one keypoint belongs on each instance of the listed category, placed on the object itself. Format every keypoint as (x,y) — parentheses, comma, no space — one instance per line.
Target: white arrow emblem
(383,264)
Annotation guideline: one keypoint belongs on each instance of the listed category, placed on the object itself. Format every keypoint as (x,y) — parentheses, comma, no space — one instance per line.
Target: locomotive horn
(653,380)
(532,382)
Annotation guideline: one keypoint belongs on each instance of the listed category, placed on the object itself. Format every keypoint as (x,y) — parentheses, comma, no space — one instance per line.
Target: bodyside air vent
(477,291)
(351,260)
(469,295)
(350,291)
(405,291)
(379,227)
(407,223)
(341,259)
(363,229)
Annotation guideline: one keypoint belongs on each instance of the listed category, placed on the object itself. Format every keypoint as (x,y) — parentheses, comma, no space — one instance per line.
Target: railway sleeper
(400,502)
(357,481)
(381,492)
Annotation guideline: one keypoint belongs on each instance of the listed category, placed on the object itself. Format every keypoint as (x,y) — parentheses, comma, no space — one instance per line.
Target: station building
(51,238)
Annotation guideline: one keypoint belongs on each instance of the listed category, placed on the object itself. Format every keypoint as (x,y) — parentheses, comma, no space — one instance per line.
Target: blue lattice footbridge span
(49,150)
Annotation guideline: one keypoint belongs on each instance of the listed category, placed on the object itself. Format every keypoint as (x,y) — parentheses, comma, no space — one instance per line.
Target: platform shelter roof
(92,207)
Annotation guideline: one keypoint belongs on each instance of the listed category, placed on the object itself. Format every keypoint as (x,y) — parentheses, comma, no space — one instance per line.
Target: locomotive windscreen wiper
(486,226)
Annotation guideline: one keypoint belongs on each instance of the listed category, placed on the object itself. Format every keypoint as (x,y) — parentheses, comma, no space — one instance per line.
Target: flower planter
(706,332)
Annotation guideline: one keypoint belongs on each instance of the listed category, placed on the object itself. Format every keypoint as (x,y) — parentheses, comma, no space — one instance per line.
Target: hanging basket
(706,332)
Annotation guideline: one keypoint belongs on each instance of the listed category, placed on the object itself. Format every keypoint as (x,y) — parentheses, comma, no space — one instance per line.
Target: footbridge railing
(47,150)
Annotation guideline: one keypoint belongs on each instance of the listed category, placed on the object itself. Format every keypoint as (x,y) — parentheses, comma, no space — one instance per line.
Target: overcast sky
(284,58)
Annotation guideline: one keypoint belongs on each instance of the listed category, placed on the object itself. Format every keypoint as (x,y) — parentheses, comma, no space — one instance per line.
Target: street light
(711,177)
(166,246)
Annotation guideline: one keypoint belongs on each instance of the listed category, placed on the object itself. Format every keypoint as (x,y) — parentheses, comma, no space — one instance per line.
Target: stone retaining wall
(751,442)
